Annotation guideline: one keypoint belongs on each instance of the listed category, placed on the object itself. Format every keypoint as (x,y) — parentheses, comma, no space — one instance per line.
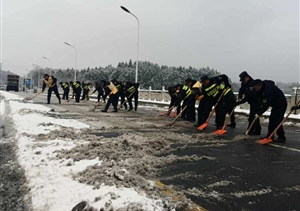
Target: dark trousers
(224,107)
(99,96)
(66,94)
(276,116)
(85,94)
(254,108)
(113,99)
(192,112)
(136,98)
(204,110)
(122,95)
(77,94)
(55,90)
(173,100)
(187,111)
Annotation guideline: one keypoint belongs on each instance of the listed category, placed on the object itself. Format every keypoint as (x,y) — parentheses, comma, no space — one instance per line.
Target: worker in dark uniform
(247,94)
(120,88)
(273,97)
(212,89)
(86,90)
(99,89)
(113,95)
(65,86)
(131,91)
(50,82)
(76,90)
(173,94)
(184,94)
(192,110)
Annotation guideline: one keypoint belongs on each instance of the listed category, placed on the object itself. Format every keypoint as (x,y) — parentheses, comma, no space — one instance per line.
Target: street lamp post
(75,59)
(50,64)
(137,60)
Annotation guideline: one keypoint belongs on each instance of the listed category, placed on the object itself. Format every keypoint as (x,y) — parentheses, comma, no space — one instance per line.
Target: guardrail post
(162,93)
(149,93)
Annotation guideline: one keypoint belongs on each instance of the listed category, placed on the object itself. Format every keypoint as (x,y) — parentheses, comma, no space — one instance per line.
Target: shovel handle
(178,115)
(272,134)
(125,101)
(228,119)
(252,123)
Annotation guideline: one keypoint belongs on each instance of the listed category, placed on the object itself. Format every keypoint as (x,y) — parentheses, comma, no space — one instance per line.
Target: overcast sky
(260,36)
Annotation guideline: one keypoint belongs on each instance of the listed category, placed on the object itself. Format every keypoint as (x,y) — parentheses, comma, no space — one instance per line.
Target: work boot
(115,110)
(59,101)
(48,102)
(232,125)
(135,109)
(280,140)
(103,110)
(129,109)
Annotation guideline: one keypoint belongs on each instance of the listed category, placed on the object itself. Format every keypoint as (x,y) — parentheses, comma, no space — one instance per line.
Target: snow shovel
(30,98)
(204,125)
(269,139)
(223,131)
(170,124)
(125,101)
(166,112)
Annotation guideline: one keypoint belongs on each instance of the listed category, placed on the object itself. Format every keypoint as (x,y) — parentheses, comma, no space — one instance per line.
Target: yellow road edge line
(172,192)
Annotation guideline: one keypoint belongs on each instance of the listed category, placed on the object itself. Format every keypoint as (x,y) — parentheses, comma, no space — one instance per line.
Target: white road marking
(288,148)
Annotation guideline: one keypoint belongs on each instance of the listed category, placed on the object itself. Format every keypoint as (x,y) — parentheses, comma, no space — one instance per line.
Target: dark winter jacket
(271,96)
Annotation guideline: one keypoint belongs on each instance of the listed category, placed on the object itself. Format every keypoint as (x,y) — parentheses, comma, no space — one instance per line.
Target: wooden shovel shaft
(272,134)
(125,101)
(178,115)
(252,123)
(228,119)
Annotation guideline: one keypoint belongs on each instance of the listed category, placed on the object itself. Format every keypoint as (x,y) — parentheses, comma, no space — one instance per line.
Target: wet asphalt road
(243,176)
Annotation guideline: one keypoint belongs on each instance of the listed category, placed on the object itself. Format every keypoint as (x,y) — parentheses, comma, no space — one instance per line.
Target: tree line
(149,74)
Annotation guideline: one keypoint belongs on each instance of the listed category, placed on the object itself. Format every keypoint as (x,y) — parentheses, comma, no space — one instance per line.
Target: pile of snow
(65,164)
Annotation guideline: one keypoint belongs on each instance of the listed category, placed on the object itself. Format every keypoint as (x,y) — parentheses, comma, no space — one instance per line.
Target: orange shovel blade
(220,132)
(264,141)
(203,126)
(173,114)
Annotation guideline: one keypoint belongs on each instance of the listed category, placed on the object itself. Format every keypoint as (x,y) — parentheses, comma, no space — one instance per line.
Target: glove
(256,116)
(294,108)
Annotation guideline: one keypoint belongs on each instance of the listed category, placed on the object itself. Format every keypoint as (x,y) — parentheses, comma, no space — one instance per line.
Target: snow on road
(53,187)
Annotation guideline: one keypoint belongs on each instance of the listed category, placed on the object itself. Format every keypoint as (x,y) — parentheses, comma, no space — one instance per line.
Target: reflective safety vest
(49,82)
(65,85)
(86,87)
(213,90)
(187,90)
(112,88)
(131,89)
(227,90)
(118,87)
(76,85)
